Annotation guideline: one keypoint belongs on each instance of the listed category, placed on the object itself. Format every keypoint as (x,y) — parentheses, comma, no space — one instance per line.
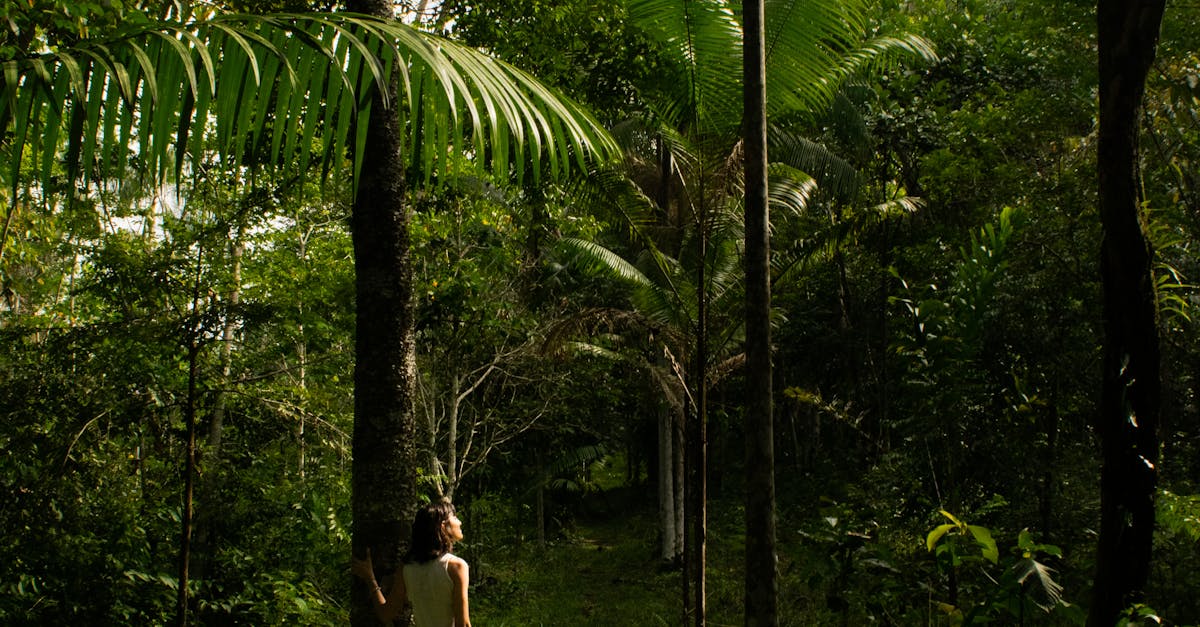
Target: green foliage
(1139,614)
(935,292)
(1025,583)
(949,548)
(1178,514)
(586,48)
(608,569)
(275,85)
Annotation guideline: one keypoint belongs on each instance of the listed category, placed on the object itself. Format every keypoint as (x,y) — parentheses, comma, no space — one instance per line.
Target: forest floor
(603,570)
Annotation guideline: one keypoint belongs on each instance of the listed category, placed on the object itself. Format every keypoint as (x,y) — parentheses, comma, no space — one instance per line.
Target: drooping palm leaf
(285,87)
(704,39)
(598,257)
(833,174)
(813,46)
(822,245)
(789,189)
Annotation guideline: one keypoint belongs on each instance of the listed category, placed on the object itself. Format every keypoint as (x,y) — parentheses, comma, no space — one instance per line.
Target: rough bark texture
(762,581)
(1130,397)
(383,498)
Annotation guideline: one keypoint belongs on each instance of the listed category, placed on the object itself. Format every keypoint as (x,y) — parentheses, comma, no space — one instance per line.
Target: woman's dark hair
(430,535)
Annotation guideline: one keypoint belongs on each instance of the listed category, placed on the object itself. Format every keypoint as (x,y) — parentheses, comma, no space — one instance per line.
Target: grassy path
(604,573)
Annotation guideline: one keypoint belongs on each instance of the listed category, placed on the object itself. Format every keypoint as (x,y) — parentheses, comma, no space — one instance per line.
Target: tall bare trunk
(383,486)
(301,365)
(8,220)
(699,440)
(182,601)
(452,437)
(762,579)
(666,485)
(1130,400)
(211,457)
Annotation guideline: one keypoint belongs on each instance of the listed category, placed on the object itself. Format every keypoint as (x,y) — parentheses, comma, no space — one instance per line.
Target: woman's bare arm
(387,606)
(461,578)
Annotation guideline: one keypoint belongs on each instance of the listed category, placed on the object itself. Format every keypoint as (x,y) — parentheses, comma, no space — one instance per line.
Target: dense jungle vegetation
(257,301)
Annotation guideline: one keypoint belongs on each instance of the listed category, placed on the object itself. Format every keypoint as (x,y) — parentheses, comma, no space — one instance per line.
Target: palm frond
(789,189)
(887,52)
(595,256)
(813,46)
(804,41)
(824,244)
(832,173)
(613,192)
(704,39)
(285,84)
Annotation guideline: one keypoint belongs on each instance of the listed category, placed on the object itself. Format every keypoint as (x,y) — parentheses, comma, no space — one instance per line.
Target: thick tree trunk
(1130,397)
(762,581)
(383,497)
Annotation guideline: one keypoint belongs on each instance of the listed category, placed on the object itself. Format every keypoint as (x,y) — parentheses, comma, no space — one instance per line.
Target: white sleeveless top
(430,591)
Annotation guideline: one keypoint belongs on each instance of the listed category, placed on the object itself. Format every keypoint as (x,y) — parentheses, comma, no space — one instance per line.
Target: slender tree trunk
(1130,400)
(699,442)
(301,365)
(383,486)
(8,220)
(678,477)
(762,581)
(185,535)
(666,485)
(452,436)
(689,497)
(189,465)
(216,427)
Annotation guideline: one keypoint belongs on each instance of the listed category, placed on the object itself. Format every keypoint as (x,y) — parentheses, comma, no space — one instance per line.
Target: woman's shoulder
(455,564)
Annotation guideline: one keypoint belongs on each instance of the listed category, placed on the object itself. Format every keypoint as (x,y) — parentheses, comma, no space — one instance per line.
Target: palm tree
(362,95)
(696,122)
(762,574)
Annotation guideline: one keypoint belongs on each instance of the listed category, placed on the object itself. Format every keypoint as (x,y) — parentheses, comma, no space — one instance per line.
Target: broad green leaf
(983,536)
(936,535)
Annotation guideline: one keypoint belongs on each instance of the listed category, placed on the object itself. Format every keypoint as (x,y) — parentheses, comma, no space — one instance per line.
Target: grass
(604,572)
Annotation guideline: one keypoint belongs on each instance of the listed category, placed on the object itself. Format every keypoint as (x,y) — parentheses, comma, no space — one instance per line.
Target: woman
(430,577)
